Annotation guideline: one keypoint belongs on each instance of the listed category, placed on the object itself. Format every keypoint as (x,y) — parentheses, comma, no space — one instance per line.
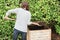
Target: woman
(22,20)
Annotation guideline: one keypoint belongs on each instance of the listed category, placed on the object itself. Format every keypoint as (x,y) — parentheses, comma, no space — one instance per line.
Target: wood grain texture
(39,34)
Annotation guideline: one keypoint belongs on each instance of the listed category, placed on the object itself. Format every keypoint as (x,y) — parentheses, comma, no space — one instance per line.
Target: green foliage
(41,10)
(46,10)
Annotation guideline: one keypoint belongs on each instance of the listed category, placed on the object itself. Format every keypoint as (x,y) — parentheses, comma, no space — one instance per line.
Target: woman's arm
(34,23)
(7,18)
(8,13)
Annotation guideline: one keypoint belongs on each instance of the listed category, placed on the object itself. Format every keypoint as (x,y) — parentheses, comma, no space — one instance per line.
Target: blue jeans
(17,32)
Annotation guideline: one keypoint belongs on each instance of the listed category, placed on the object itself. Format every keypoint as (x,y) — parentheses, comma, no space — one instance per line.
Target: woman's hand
(36,23)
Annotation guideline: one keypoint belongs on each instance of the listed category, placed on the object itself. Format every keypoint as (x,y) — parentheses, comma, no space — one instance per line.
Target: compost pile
(44,25)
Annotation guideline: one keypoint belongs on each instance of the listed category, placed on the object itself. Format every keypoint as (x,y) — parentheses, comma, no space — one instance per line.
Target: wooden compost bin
(37,34)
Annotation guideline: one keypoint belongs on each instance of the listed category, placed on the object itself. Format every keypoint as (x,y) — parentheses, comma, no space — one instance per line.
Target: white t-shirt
(22,19)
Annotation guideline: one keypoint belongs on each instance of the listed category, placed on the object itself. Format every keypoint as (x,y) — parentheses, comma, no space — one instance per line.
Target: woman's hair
(25,5)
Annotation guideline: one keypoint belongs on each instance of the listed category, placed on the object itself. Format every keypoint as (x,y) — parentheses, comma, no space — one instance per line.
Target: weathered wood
(39,34)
